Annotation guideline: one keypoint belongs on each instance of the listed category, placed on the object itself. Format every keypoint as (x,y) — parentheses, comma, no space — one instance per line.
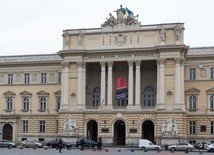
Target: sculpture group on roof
(124,15)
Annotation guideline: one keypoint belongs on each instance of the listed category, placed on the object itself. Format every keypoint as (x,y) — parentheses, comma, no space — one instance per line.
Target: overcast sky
(35,26)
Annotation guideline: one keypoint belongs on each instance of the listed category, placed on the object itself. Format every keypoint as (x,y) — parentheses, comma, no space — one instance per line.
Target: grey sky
(35,26)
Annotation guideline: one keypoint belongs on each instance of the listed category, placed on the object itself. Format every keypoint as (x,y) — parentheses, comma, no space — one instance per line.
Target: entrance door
(7,132)
(119,133)
(92,130)
(148,130)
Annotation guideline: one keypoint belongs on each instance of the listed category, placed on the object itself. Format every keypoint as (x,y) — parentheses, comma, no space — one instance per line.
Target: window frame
(25,125)
(192,127)
(192,73)
(42,126)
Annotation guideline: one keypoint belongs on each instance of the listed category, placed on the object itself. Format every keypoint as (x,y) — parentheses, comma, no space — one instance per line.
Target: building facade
(121,82)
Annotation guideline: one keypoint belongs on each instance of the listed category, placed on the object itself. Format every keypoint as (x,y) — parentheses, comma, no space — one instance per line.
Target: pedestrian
(99,144)
(60,145)
(82,143)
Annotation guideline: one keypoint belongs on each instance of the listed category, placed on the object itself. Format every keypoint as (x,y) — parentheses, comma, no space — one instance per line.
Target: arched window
(9,103)
(149,97)
(212,102)
(96,96)
(25,103)
(192,102)
(42,103)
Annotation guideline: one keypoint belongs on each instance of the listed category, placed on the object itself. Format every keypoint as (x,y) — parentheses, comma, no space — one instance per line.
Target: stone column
(64,87)
(161,84)
(182,83)
(83,85)
(177,84)
(110,65)
(137,84)
(130,84)
(79,86)
(103,84)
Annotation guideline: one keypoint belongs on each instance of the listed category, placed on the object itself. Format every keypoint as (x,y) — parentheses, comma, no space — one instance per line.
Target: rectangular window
(10,78)
(59,78)
(43,78)
(212,73)
(58,103)
(9,104)
(26,78)
(212,127)
(24,126)
(41,126)
(192,73)
(192,127)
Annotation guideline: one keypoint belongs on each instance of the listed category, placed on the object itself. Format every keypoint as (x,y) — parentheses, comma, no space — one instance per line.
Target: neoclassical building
(122,82)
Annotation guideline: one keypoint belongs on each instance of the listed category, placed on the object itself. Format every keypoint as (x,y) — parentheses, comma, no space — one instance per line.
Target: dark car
(200,145)
(8,144)
(54,144)
(87,143)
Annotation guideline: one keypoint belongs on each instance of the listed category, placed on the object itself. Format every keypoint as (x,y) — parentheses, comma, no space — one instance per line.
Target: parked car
(148,145)
(181,147)
(87,143)
(54,144)
(31,143)
(8,144)
(200,145)
(210,148)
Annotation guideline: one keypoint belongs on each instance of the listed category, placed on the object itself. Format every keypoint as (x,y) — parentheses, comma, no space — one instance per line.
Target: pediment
(193,91)
(57,93)
(25,93)
(9,93)
(210,91)
(42,93)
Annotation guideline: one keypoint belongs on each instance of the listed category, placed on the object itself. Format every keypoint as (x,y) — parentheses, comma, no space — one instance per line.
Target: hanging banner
(121,87)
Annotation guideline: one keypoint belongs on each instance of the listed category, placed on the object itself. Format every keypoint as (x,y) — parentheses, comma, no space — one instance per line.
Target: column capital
(65,64)
(160,61)
(130,63)
(81,64)
(179,60)
(138,62)
(110,63)
(102,63)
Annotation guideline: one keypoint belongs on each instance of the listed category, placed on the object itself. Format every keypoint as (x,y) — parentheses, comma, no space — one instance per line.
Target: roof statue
(124,16)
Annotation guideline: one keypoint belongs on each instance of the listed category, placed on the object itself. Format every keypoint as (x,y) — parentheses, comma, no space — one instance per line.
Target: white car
(31,143)
(181,147)
(210,148)
(148,145)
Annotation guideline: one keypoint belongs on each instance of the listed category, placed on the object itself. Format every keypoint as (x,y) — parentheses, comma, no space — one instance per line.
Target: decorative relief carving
(80,39)
(52,77)
(70,126)
(66,41)
(35,77)
(2,78)
(18,78)
(178,30)
(169,127)
(162,34)
(120,40)
(203,73)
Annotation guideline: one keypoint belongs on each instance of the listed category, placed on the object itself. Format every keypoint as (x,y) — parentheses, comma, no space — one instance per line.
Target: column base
(161,106)
(178,106)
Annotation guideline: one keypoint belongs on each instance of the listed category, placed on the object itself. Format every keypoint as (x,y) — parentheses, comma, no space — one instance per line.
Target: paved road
(111,151)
